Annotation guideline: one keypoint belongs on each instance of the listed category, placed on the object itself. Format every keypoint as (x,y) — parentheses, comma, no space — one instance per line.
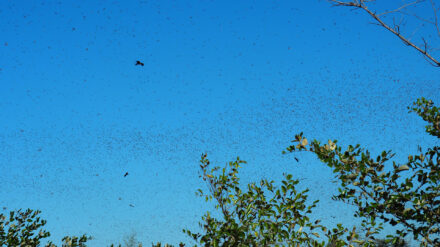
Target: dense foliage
(25,228)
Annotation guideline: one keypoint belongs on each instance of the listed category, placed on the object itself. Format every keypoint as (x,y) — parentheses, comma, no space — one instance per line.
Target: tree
(260,216)
(25,228)
(405,194)
(263,215)
(402,194)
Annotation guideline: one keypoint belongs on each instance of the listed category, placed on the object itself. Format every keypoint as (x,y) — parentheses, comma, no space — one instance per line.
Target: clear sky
(230,78)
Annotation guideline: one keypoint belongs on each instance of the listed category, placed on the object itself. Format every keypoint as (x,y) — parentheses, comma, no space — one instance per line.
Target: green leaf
(402,168)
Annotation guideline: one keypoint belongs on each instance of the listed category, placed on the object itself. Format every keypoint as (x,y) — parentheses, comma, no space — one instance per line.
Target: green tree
(405,194)
(25,228)
(263,214)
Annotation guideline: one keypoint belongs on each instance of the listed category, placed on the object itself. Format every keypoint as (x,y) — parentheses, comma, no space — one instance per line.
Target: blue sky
(224,77)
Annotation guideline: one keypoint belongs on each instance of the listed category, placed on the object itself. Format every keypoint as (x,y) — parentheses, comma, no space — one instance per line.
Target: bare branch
(435,18)
(342,3)
(396,30)
(401,7)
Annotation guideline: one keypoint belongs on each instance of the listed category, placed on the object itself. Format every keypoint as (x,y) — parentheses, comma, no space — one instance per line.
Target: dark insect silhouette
(131,205)
(126,174)
(296,159)
(139,63)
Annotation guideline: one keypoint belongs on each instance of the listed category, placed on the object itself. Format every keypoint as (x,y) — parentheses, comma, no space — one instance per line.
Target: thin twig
(417,17)
(415,31)
(401,7)
(435,18)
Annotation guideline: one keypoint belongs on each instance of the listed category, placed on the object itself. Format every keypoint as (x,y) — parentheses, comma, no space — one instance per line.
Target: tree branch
(361,5)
